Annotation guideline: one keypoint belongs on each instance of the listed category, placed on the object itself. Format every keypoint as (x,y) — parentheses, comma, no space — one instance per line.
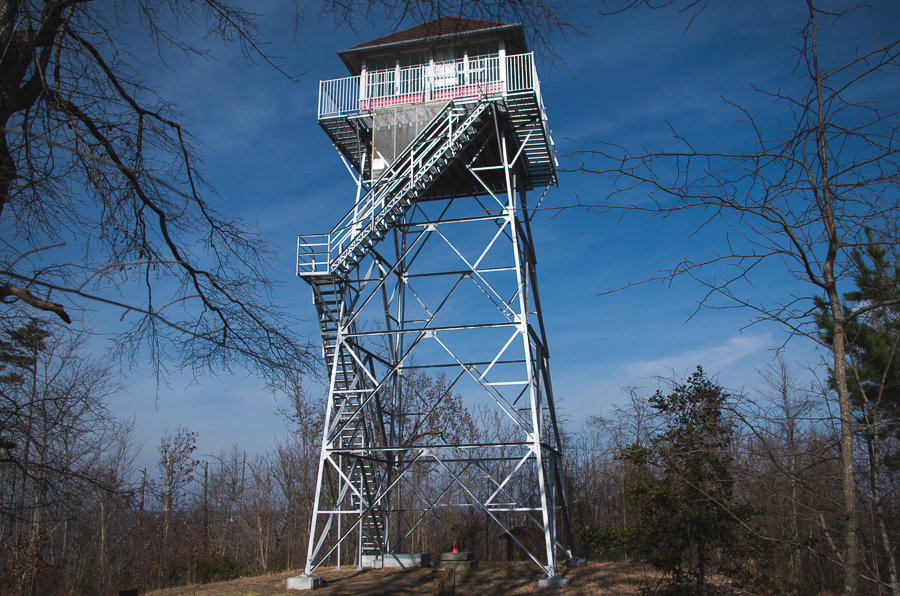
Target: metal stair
(402,183)
(350,427)
(407,179)
(349,134)
(525,115)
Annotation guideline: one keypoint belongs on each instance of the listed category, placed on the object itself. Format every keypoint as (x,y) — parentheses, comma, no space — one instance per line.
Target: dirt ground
(606,579)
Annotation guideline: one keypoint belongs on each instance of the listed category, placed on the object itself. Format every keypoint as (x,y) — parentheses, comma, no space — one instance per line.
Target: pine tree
(872,365)
(873,338)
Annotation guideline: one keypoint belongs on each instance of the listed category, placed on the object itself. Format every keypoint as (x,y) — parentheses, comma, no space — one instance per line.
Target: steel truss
(427,307)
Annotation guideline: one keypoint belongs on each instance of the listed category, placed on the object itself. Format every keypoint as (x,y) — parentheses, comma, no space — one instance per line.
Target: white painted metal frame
(451,289)
(491,76)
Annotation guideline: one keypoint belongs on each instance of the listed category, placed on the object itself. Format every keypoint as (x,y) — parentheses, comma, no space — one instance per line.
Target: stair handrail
(403,172)
(359,218)
(366,208)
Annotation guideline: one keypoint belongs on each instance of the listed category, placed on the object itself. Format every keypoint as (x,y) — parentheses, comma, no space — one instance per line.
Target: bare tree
(100,185)
(802,198)
(788,460)
(100,188)
(52,409)
(176,466)
(228,488)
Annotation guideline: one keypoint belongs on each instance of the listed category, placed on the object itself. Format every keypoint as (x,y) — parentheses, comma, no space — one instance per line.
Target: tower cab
(400,82)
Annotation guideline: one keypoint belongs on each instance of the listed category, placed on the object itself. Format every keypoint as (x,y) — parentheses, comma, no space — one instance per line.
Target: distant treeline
(698,481)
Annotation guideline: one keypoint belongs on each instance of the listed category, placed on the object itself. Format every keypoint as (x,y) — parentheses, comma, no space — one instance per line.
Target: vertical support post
(359,185)
(363,88)
(430,73)
(359,551)
(340,519)
(502,66)
(397,76)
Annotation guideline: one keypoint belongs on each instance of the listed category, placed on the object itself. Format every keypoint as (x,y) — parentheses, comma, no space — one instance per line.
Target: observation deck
(348,107)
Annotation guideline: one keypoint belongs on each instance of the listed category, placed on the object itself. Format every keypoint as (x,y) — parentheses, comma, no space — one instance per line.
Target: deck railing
(313,253)
(473,77)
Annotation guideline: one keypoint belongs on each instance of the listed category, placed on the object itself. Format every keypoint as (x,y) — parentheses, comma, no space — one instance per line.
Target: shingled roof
(440,28)
(444,27)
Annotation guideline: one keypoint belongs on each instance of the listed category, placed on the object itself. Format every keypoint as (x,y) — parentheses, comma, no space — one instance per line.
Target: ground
(606,579)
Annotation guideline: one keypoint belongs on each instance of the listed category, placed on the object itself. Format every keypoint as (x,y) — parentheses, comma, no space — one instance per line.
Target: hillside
(612,579)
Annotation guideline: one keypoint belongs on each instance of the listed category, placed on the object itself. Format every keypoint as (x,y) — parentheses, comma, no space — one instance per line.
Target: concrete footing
(461,560)
(304,582)
(552,583)
(575,562)
(402,560)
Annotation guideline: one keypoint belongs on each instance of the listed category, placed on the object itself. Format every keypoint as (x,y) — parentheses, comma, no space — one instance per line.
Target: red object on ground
(455,546)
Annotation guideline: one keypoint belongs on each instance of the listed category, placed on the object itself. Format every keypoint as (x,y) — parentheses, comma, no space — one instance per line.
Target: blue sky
(622,83)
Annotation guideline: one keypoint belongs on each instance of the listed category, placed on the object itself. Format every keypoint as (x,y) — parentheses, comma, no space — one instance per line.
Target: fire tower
(426,293)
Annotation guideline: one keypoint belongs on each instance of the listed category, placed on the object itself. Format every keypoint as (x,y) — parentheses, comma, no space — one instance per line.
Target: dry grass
(607,579)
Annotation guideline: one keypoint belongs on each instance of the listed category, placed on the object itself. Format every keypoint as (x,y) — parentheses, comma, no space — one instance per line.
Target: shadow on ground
(613,579)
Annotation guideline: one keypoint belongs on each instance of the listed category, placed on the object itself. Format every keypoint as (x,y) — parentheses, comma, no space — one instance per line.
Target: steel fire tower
(427,299)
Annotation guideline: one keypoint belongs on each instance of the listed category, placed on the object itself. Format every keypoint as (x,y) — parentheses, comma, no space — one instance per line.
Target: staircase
(406,180)
(348,133)
(525,115)
(350,430)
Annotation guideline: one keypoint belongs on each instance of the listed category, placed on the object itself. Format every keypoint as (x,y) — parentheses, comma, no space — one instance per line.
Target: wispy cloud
(720,357)
(733,361)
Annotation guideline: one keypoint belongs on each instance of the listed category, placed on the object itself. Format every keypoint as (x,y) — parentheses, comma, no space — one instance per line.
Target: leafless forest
(763,469)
